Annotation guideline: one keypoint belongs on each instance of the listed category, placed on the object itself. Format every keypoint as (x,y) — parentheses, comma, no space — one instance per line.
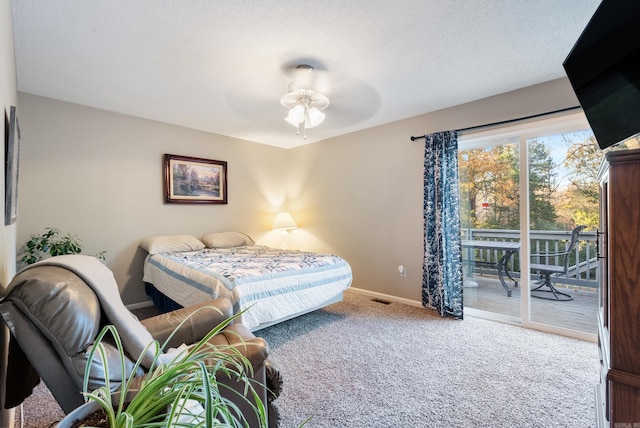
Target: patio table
(508,249)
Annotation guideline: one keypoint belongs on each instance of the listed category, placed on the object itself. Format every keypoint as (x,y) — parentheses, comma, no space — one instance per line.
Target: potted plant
(52,243)
(183,391)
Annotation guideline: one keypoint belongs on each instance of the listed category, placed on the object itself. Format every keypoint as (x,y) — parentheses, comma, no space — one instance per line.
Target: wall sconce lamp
(284,223)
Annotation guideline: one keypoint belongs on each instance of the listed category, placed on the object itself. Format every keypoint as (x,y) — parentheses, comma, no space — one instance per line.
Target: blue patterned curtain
(442,275)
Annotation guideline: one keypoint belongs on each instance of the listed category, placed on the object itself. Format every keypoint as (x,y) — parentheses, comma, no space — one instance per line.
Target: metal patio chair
(546,271)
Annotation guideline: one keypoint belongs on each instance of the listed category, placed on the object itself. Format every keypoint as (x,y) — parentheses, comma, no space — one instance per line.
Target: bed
(271,285)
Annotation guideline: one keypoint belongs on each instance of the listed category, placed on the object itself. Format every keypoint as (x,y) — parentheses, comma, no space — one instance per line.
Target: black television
(604,70)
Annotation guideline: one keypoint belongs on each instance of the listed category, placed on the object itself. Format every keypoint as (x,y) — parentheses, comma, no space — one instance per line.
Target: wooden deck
(578,314)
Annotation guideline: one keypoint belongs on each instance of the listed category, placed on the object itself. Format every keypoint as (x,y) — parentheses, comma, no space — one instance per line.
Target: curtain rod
(505,122)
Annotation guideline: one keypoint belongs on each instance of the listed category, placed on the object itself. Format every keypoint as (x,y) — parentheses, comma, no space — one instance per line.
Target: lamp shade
(284,221)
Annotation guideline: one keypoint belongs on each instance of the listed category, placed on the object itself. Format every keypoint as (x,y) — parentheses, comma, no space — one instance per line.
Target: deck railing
(583,265)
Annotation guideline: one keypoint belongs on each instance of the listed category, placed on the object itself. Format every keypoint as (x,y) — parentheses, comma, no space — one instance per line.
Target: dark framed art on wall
(189,180)
(12,163)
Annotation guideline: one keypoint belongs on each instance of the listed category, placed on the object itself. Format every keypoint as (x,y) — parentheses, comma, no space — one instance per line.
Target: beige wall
(99,175)
(361,195)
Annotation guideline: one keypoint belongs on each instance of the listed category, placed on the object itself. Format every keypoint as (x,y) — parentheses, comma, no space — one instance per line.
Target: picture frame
(11,167)
(190,180)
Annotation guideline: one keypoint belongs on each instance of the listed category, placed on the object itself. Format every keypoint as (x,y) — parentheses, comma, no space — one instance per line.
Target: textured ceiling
(221,66)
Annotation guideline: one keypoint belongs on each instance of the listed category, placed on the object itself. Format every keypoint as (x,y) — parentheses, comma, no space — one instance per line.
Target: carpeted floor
(362,363)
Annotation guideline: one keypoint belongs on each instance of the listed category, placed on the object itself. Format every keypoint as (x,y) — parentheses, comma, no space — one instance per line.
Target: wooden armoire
(618,393)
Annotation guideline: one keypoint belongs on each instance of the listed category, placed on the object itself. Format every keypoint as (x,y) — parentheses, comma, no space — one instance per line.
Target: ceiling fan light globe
(296,115)
(292,121)
(314,118)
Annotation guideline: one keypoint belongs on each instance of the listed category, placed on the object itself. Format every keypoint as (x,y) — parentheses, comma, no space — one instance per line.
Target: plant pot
(88,408)
(78,414)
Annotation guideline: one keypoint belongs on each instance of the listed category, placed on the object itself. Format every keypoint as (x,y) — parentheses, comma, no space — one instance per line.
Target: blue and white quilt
(272,284)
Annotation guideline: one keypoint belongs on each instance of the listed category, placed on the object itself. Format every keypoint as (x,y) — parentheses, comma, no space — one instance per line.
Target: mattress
(268,284)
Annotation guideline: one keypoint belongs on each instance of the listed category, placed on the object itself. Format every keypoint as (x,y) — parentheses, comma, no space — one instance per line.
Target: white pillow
(226,239)
(171,244)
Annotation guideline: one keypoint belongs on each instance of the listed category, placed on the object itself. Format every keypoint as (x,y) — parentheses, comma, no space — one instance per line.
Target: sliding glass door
(523,189)
(563,197)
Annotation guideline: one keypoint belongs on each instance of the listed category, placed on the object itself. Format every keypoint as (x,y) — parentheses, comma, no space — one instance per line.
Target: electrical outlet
(403,270)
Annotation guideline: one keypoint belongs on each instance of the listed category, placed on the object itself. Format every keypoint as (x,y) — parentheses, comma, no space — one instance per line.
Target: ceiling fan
(305,103)
(340,99)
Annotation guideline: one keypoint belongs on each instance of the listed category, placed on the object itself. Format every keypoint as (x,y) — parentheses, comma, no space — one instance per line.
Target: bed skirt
(160,301)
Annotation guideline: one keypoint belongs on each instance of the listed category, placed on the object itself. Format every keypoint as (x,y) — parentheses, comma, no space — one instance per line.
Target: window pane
(490,211)
(563,194)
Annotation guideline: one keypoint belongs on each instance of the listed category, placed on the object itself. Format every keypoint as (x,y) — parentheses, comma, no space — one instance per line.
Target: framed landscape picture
(12,157)
(189,180)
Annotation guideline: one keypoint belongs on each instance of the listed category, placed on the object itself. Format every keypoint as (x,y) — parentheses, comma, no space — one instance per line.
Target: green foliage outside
(489,185)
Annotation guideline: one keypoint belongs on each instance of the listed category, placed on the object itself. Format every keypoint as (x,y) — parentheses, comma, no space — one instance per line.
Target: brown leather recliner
(55,311)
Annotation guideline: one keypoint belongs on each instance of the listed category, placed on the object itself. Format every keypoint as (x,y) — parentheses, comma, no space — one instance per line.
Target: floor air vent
(384,302)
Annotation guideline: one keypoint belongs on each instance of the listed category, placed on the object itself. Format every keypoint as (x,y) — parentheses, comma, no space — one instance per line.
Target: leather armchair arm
(255,349)
(201,319)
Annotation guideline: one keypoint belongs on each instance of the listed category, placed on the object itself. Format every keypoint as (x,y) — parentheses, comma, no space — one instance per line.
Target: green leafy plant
(166,395)
(54,243)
